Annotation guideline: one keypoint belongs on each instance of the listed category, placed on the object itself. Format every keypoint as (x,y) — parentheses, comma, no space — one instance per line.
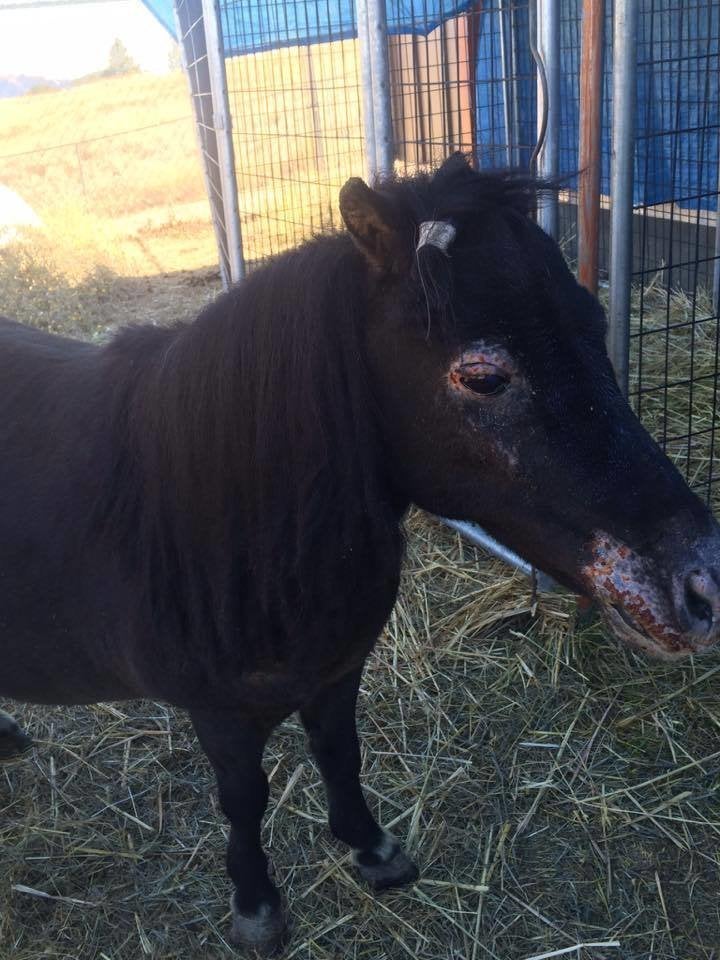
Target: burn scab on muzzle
(636,607)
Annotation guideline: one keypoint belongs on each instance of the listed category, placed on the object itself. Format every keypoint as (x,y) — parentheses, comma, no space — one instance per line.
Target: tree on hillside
(120,60)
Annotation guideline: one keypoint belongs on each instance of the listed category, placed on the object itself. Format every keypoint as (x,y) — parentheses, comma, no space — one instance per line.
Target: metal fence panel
(297,121)
(193,44)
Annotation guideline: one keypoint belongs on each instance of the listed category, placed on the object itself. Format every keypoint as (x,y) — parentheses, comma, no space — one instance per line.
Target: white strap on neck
(438,233)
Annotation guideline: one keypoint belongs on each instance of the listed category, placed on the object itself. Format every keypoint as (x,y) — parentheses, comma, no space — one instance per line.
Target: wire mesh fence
(674,346)
(466,84)
(297,122)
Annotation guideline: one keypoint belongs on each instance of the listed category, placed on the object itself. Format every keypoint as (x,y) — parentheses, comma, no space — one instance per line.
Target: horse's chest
(354,613)
(337,634)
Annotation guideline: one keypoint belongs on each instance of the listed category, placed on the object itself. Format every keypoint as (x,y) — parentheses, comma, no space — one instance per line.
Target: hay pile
(554,789)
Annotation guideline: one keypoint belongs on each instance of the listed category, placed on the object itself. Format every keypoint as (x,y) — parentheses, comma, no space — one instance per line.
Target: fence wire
(297,124)
(468,84)
(675,336)
(109,170)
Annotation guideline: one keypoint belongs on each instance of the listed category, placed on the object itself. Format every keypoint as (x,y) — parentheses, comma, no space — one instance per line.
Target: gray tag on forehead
(438,233)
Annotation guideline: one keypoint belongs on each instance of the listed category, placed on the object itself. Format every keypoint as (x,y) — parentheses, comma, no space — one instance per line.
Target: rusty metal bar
(591,82)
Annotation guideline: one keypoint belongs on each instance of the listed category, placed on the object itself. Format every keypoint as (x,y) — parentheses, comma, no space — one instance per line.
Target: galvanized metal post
(548,163)
(506,92)
(382,108)
(716,266)
(591,84)
(366,79)
(514,97)
(223,129)
(621,214)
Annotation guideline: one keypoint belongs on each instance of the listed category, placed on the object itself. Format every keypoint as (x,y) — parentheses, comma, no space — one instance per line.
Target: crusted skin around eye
(479,361)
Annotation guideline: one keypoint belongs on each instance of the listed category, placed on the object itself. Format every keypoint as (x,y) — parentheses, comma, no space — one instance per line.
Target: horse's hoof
(14,744)
(263,931)
(386,866)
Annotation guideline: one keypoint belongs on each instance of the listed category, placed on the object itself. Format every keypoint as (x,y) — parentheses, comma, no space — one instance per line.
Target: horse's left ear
(376,227)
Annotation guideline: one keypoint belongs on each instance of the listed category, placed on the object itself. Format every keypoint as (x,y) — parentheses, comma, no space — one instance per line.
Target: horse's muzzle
(666,613)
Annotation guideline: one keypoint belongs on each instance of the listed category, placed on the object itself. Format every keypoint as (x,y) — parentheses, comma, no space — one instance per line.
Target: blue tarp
(678,86)
(163,11)
(251,26)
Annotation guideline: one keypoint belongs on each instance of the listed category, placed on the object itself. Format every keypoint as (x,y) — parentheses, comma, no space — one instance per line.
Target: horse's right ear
(375,227)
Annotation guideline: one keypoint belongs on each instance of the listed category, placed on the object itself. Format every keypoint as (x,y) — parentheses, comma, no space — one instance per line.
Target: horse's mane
(247,452)
(248,456)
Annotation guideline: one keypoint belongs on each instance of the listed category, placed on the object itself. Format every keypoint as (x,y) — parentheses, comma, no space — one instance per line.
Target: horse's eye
(489,384)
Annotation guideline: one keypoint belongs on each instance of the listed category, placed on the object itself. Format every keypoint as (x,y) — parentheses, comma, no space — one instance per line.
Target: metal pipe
(223,131)
(716,265)
(514,97)
(382,108)
(542,97)
(507,114)
(621,213)
(590,146)
(368,102)
(481,538)
(548,161)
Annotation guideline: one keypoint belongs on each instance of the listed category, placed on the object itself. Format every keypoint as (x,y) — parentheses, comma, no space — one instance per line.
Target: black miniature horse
(211,514)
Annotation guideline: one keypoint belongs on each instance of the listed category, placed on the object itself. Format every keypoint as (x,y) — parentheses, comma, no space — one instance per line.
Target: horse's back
(56,592)
(18,340)
(51,411)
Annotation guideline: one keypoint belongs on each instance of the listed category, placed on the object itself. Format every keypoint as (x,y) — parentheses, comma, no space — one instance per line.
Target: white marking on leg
(264,926)
(384,850)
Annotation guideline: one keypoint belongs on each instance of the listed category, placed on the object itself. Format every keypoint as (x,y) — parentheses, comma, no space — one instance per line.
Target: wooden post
(591,81)
(468,28)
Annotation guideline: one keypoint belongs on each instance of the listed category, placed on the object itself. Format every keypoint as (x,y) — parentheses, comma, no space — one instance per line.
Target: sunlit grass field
(133,201)
(112,167)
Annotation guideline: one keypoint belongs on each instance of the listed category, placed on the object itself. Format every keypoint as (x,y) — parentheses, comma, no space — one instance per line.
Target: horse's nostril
(702,602)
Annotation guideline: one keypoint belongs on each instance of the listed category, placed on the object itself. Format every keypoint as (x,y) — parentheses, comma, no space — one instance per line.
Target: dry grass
(555,790)
(112,168)
(132,201)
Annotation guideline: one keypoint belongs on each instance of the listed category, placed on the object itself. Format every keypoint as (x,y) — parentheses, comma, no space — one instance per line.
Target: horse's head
(499,404)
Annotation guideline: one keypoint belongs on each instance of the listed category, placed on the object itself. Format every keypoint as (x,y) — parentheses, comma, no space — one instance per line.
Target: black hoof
(13,742)
(262,932)
(386,866)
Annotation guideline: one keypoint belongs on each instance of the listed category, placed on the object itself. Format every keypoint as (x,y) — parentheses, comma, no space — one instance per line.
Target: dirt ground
(559,794)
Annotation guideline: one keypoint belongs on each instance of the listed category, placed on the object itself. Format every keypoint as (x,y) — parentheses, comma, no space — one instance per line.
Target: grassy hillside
(112,166)
(108,193)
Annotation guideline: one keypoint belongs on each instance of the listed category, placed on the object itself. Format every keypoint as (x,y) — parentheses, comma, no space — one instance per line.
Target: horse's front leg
(13,741)
(234,746)
(329,720)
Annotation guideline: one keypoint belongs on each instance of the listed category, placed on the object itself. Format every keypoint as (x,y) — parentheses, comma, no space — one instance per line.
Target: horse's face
(499,405)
